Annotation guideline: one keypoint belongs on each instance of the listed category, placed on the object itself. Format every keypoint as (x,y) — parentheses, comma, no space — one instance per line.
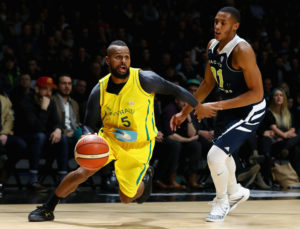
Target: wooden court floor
(258,214)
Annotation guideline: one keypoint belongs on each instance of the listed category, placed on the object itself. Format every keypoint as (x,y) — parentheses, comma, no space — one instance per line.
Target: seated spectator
(22,89)
(184,147)
(9,73)
(68,111)
(10,144)
(278,135)
(37,122)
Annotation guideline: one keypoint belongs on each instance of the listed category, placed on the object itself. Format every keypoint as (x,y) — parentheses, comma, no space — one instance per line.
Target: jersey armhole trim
(137,80)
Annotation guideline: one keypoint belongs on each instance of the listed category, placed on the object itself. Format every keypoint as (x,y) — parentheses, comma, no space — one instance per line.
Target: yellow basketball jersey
(129,115)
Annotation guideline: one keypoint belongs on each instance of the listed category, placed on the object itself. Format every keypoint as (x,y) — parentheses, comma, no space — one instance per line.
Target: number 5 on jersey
(125,122)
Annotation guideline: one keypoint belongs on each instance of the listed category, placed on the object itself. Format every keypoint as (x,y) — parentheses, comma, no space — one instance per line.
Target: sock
(232,183)
(52,202)
(216,159)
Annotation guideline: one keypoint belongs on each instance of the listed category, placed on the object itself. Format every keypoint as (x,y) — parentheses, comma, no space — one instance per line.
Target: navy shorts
(238,130)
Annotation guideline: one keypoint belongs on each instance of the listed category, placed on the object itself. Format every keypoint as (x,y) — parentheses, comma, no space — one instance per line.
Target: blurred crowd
(52,53)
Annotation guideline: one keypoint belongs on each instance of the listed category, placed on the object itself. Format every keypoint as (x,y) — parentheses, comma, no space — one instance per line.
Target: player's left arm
(153,83)
(246,60)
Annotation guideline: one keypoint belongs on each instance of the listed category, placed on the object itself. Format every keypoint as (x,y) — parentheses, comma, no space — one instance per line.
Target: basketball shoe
(41,213)
(240,196)
(147,186)
(220,208)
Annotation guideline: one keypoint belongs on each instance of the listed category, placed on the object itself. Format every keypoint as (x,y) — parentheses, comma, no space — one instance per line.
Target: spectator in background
(37,122)
(22,89)
(33,70)
(268,87)
(184,147)
(164,64)
(68,110)
(186,70)
(9,73)
(277,135)
(82,61)
(64,61)
(79,94)
(286,138)
(205,129)
(94,75)
(49,55)
(10,144)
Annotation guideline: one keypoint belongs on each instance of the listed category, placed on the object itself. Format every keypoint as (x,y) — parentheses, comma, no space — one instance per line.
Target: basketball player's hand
(45,101)
(55,136)
(207,110)
(176,121)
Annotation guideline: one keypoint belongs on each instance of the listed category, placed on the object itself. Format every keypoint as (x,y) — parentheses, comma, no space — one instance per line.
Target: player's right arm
(92,116)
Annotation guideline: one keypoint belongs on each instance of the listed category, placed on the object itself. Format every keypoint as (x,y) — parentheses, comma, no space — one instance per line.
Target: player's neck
(117,80)
(225,41)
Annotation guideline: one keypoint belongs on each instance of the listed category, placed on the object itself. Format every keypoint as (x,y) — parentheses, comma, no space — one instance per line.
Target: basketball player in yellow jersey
(123,101)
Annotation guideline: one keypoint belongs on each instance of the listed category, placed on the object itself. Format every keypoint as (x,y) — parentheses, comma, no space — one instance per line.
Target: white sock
(216,159)
(232,183)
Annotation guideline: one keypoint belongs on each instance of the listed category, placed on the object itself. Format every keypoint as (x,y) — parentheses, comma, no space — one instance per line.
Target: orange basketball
(91,152)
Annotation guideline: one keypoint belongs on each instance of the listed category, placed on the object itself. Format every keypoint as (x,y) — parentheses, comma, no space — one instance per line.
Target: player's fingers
(171,123)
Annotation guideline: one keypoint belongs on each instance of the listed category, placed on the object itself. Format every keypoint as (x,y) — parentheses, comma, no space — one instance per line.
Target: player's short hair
(233,11)
(116,43)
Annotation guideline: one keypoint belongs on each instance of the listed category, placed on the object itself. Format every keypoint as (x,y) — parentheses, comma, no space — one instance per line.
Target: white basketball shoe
(219,210)
(240,196)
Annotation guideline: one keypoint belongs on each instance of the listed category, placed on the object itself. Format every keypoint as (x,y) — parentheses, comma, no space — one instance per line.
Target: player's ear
(236,25)
(107,61)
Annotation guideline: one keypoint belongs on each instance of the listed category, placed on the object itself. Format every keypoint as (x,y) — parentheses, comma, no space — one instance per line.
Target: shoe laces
(219,206)
(43,208)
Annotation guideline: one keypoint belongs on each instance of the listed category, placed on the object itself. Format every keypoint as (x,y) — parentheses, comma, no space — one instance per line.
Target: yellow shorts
(131,162)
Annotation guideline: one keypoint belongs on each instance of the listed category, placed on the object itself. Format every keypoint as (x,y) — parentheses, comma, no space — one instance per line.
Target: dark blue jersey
(231,82)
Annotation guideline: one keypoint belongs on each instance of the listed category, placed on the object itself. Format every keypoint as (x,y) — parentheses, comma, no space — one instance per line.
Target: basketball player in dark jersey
(232,67)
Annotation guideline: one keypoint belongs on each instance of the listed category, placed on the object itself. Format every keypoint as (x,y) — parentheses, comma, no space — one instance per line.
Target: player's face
(225,26)
(65,85)
(278,97)
(118,61)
